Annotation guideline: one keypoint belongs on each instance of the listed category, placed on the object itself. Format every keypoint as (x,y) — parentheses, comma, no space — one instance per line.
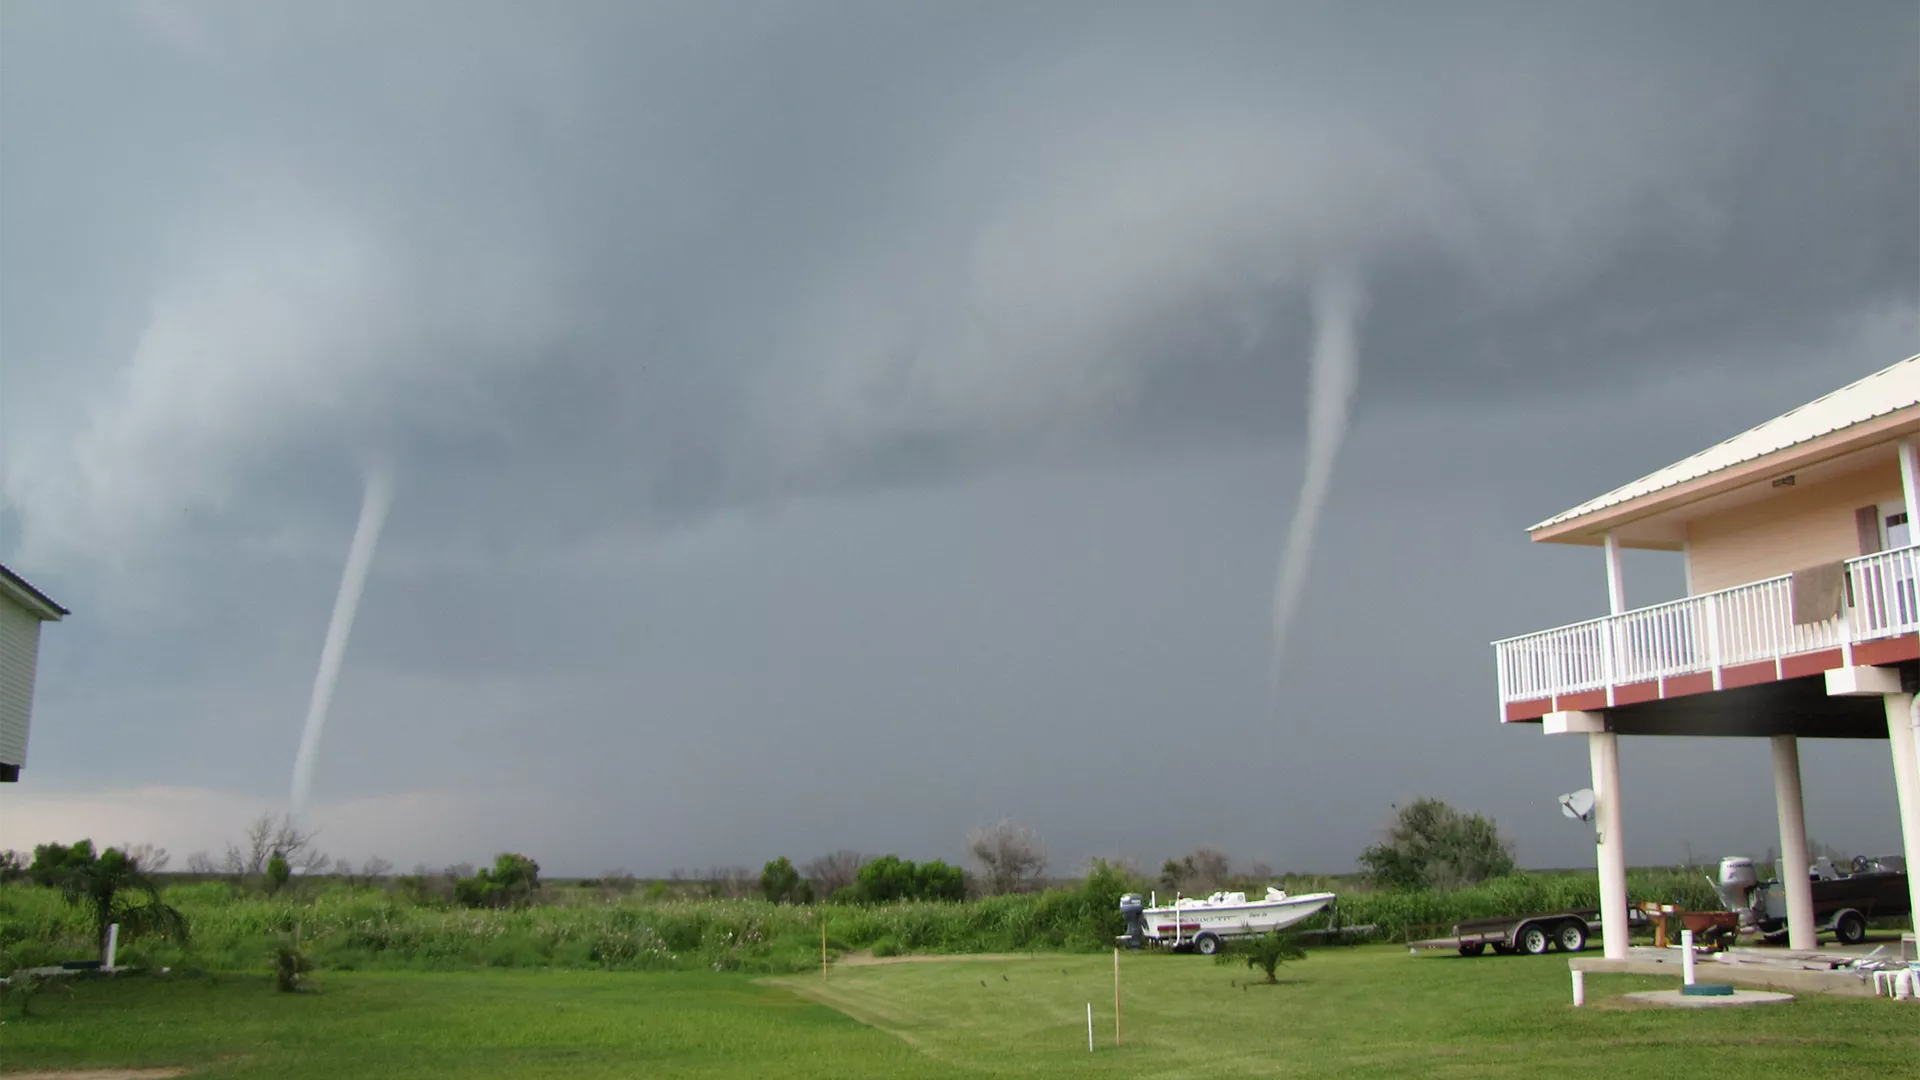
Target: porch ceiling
(1798,707)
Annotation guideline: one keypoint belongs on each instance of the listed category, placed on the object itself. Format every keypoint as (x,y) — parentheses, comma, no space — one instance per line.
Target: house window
(1894,533)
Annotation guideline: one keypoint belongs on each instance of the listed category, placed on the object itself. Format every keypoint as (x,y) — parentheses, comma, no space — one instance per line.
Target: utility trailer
(1506,934)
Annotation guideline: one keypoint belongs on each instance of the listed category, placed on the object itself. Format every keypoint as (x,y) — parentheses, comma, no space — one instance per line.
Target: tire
(1206,944)
(1571,936)
(1501,948)
(1850,928)
(1534,940)
(1474,949)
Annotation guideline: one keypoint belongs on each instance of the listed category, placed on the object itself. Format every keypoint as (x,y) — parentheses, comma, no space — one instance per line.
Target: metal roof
(1887,390)
(12,584)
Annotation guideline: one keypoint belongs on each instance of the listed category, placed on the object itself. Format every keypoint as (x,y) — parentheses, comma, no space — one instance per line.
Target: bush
(1432,845)
(890,878)
(1265,953)
(780,883)
(509,883)
(53,862)
(289,965)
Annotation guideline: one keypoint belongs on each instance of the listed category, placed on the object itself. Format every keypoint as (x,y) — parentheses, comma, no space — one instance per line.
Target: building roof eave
(23,592)
(1884,403)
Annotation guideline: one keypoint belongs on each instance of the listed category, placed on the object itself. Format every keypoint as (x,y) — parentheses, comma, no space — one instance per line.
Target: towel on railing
(1816,592)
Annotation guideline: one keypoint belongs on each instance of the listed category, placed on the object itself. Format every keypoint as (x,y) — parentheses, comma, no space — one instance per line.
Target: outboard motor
(1133,908)
(1737,887)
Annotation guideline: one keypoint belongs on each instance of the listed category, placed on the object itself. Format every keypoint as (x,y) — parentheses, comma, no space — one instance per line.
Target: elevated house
(22,609)
(1799,621)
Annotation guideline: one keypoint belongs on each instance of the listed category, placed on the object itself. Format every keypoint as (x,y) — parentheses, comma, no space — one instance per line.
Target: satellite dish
(1578,805)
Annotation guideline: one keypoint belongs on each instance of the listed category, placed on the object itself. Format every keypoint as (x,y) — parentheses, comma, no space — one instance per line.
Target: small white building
(22,609)
(1799,621)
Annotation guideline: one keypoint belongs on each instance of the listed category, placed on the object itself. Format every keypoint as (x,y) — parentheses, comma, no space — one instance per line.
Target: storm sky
(841,424)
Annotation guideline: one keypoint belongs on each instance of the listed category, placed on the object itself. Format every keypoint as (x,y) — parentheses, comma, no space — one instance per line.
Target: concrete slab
(1684,1001)
(1771,969)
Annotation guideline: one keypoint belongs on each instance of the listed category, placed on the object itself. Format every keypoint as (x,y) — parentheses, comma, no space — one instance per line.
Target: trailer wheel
(1572,937)
(1474,949)
(1850,928)
(1206,944)
(1534,940)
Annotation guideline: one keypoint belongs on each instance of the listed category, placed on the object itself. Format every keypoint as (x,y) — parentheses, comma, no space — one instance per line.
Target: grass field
(1371,1011)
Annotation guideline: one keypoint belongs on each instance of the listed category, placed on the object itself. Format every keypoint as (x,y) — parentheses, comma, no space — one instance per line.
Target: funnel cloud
(353,581)
(1333,373)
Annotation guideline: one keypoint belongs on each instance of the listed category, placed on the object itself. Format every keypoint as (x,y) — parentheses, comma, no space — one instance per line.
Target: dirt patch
(867,959)
(100,1074)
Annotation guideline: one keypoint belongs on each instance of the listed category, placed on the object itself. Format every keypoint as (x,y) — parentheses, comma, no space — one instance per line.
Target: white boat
(1203,924)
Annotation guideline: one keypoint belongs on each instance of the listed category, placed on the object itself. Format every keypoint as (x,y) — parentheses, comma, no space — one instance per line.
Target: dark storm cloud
(829,375)
(720,252)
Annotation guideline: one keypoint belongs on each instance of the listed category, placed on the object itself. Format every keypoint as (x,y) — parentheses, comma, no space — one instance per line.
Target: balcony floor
(1888,651)
(1799,707)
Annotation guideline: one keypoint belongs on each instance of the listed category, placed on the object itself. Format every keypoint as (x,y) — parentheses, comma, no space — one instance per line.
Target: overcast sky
(840,424)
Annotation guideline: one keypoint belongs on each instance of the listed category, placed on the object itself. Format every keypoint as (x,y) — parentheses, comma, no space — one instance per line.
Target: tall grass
(343,928)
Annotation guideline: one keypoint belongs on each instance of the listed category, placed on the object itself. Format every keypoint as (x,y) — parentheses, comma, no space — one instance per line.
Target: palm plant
(1265,953)
(114,889)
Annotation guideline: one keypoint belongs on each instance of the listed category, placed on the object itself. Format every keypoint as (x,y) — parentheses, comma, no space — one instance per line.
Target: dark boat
(1843,900)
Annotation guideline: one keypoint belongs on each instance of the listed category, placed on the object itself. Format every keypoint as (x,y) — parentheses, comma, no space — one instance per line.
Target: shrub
(890,878)
(509,883)
(52,862)
(278,873)
(289,964)
(1432,845)
(937,881)
(1265,953)
(780,883)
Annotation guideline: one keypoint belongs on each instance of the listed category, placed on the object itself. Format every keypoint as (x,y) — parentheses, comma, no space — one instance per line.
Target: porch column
(1906,780)
(1910,484)
(1616,587)
(1603,751)
(1793,843)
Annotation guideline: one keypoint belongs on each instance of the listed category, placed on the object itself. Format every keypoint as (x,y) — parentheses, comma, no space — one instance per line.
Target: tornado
(373,514)
(1337,301)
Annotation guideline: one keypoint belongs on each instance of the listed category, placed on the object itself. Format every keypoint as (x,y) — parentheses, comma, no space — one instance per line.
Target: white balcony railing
(1708,633)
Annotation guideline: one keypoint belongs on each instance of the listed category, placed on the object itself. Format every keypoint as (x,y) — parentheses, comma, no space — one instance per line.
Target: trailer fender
(1849,926)
(1535,936)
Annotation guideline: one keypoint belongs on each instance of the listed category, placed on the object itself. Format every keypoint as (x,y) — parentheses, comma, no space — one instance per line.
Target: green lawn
(519,1024)
(1365,1012)
(1370,1012)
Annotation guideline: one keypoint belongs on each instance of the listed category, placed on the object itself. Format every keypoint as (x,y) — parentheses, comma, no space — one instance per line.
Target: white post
(1579,988)
(1910,485)
(1902,734)
(113,944)
(1616,603)
(1686,957)
(1793,843)
(1616,588)
(1089,1027)
(1603,751)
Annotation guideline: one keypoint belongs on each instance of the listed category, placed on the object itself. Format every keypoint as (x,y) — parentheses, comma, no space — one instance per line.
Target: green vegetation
(890,878)
(780,883)
(1432,845)
(1265,953)
(345,927)
(511,883)
(1368,1012)
(105,889)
